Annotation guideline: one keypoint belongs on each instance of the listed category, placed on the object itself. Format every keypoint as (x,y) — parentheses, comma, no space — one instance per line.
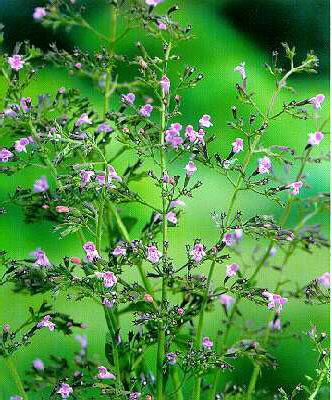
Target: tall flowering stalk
(85,182)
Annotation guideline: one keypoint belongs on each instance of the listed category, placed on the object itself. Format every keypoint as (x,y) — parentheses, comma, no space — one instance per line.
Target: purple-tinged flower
(317,101)
(109,278)
(62,90)
(38,364)
(108,303)
(176,203)
(238,233)
(241,69)
(180,310)
(39,13)
(112,174)
(171,358)
(104,374)
(191,134)
(135,395)
(229,239)
(315,138)
(5,155)
(16,398)
(165,84)
(148,298)
(237,145)
(171,217)
(205,121)
(9,112)
(41,258)
(91,251)
(190,168)
(275,300)
(232,269)
(16,62)
(146,110)
(153,254)
(295,186)
(198,252)
(41,185)
(82,340)
(86,176)
(83,120)
(207,343)
(25,103)
(275,325)
(172,135)
(324,280)
(46,322)
(20,145)
(119,251)
(78,65)
(65,390)
(153,2)
(226,301)
(128,98)
(273,251)
(105,128)
(6,328)
(264,165)
(161,25)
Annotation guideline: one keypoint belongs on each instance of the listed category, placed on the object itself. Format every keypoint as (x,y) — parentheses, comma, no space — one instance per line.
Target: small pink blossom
(153,2)
(238,233)
(180,310)
(161,25)
(39,13)
(76,260)
(165,84)
(229,239)
(171,217)
(148,298)
(146,110)
(315,138)
(83,120)
(91,251)
(275,300)
(190,168)
(20,145)
(40,185)
(109,278)
(198,252)
(317,101)
(207,343)
(226,300)
(62,209)
(191,134)
(153,254)
(324,280)
(78,65)
(232,269)
(128,98)
(241,69)
(112,174)
(135,395)
(65,390)
(237,145)
(172,135)
(104,128)
(205,121)
(119,251)
(5,155)
(6,328)
(176,203)
(295,186)
(264,165)
(46,322)
(104,374)
(108,303)
(16,62)
(275,325)
(38,364)
(86,177)
(41,258)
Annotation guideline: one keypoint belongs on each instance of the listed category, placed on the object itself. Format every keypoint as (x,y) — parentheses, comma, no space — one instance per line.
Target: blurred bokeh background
(227,32)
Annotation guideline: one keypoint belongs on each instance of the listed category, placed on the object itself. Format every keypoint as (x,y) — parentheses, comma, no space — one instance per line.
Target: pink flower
(109,278)
(146,110)
(78,65)
(5,155)
(198,252)
(153,2)
(172,135)
(205,121)
(317,101)
(275,300)
(76,260)
(128,98)
(171,217)
(20,145)
(65,390)
(237,145)
(238,233)
(315,138)
(153,255)
(62,209)
(171,358)
(135,395)
(39,13)
(104,127)
(86,177)
(38,364)
(83,120)
(16,62)
(104,374)
(119,251)
(295,186)
(108,303)
(324,280)
(6,328)
(226,300)
(176,203)
(91,251)
(241,69)
(148,298)
(207,343)
(46,322)
(161,25)
(264,165)
(40,185)
(25,103)
(16,398)
(112,174)
(275,325)
(232,269)
(190,168)
(165,84)
(180,310)
(191,134)
(41,258)
(228,239)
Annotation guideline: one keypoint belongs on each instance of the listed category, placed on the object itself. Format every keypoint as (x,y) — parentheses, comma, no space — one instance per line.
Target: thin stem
(16,377)
(177,384)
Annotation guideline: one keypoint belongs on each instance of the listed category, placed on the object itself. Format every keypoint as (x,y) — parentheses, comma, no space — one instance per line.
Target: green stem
(319,384)
(176,384)
(99,225)
(16,377)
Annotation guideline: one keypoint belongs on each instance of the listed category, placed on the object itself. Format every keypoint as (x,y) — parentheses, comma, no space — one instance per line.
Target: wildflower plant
(79,190)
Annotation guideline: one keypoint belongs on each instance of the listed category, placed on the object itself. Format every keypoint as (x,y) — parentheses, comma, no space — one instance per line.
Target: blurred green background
(227,32)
